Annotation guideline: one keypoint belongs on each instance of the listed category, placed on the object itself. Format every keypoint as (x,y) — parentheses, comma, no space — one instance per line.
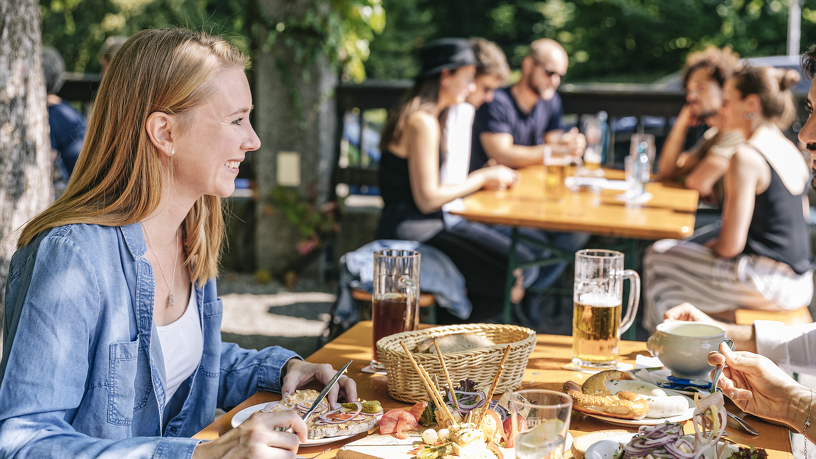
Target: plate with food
(325,425)
(617,398)
(625,446)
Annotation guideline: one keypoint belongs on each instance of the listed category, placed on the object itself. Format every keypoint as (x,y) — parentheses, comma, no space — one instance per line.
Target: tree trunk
(25,147)
(310,132)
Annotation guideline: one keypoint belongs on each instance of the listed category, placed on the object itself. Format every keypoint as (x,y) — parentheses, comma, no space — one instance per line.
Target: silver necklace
(159,263)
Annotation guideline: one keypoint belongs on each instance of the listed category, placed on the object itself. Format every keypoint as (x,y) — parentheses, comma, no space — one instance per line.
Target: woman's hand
(498,177)
(257,438)
(688,313)
(298,373)
(761,388)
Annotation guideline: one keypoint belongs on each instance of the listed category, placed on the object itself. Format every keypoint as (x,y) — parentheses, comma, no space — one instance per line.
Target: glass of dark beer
(395,299)
(597,302)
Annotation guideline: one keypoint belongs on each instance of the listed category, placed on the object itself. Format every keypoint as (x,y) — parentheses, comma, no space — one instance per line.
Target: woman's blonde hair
(118,178)
(772,85)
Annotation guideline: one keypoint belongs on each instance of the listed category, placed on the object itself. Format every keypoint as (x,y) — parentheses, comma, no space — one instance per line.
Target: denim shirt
(82,373)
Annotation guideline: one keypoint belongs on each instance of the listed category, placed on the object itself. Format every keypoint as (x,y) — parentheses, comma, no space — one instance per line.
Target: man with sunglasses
(702,167)
(513,130)
(521,119)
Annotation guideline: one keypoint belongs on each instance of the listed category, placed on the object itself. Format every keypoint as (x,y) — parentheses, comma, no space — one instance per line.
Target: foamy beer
(597,301)
(556,169)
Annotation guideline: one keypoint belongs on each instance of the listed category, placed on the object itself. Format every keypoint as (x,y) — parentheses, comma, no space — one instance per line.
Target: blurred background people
(412,153)
(108,49)
(761,259)
(790,347)
(66,123)
(702,167)
(514,127)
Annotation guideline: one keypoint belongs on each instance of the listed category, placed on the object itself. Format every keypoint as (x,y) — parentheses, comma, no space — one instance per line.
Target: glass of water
(540,423)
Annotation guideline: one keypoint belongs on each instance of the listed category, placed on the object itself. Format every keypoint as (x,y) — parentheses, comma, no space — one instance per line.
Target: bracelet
(807,421)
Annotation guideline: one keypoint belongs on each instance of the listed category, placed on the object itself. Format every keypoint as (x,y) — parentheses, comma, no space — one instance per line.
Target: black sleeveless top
(778,227)
(399,204)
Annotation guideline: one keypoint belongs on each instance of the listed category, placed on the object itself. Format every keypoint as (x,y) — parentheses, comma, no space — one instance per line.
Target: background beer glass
(597,301)
(556,167)
(540,422)
(395,298)
(592,128)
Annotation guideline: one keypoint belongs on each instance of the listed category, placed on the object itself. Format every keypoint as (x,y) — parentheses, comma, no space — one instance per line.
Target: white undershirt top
(182,344)
(455,169)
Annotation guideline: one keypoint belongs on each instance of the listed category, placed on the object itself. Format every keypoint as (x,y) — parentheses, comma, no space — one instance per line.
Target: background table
(668,215)
(544,371)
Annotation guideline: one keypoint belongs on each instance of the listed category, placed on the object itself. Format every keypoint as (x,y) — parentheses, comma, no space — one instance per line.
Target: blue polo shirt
(504,115)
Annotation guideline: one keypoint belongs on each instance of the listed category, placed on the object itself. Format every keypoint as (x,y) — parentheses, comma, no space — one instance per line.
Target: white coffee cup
(683,347)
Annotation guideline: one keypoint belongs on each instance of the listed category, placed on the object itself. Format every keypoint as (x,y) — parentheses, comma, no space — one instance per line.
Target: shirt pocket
(211,329)
(129,383)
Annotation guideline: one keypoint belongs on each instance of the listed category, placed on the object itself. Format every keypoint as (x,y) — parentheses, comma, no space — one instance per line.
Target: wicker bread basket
(480,365)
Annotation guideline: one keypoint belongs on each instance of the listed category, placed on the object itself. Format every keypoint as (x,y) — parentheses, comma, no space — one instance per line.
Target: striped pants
(676,272)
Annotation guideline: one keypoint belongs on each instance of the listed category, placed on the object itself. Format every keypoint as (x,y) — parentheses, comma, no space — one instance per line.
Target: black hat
(446,53)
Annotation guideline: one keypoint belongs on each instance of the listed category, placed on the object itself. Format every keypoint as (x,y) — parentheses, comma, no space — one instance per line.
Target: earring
(750,115)
(173,151)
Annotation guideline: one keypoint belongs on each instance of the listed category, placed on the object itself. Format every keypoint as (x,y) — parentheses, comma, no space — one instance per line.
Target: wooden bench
(796,317)
(426,300)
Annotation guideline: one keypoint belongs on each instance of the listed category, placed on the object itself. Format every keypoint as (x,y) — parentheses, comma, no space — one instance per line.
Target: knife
(326,390)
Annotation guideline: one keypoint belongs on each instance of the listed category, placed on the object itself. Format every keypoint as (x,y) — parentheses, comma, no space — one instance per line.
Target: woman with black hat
(409,176)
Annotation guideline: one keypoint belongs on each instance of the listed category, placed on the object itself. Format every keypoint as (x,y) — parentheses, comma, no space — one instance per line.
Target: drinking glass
(395,298)
(540,422)
(556,168)
(592,128)
(597,303)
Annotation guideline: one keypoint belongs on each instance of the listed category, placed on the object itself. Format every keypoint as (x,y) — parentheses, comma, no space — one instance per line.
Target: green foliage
(338,29)
(607,40)
(313,222)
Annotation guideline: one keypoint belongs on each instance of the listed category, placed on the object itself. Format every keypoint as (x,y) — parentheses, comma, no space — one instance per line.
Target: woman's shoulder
(421,119)
(94,240)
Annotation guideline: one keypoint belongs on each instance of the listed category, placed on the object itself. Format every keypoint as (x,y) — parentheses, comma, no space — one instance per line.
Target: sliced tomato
(508,429)
(339,416)
(415,450)
(417,409)
(388,423)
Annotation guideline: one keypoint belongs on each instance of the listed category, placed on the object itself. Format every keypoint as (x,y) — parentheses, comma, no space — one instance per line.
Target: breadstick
(447,375)
(426,382)
(441,401)
(493,386)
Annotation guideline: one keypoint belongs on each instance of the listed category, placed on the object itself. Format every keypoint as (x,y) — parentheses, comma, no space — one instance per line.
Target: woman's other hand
(498,177)
(257,438)
(758,386)
(298,373)
(688,313)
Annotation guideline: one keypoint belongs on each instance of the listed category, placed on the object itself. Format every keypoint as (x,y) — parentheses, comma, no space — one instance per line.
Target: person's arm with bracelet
(758,386)
(422,145)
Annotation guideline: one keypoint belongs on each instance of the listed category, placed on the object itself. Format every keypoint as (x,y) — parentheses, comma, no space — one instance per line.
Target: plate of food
(325,425)
(613,447)
(617,398)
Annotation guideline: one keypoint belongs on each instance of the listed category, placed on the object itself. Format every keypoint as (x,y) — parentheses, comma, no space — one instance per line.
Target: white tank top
(182,343)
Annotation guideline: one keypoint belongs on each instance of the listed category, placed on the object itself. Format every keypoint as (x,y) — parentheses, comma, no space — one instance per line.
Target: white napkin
(596,182)
(622,366)
(631,198)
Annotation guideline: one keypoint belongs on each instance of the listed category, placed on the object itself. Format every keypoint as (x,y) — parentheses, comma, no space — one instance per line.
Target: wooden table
(668,215)
(544,371)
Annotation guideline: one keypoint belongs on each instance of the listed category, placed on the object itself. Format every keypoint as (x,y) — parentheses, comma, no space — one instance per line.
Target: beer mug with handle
(597,301)
(395,297)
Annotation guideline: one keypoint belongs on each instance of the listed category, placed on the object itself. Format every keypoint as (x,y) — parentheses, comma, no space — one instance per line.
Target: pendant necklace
(159,263)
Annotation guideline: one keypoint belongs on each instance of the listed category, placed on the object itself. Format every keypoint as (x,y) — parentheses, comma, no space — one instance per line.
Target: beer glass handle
(411,290)
(634,300)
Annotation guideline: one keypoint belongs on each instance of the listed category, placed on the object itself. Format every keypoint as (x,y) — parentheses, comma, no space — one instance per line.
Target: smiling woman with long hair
(113,344)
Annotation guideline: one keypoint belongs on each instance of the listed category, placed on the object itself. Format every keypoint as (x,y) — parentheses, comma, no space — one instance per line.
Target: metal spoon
(718,370)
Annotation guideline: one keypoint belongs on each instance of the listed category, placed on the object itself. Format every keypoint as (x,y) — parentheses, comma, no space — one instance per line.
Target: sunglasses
(550,73)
